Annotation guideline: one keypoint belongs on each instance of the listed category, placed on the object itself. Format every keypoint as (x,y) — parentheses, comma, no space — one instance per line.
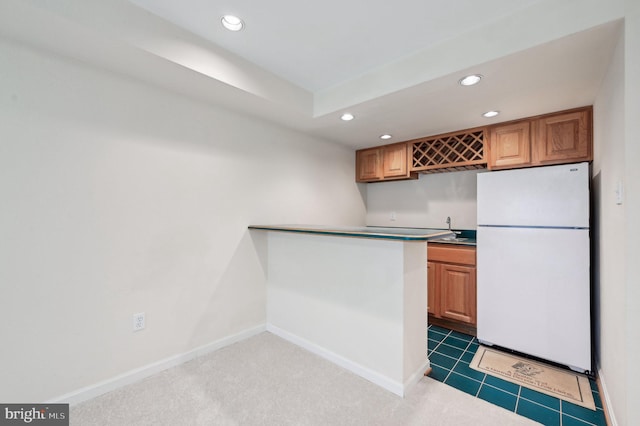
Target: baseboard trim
(417,375)
(606,400)
(138,374)
(385,382)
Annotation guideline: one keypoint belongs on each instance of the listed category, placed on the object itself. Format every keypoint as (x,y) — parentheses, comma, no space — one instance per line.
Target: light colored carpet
(266,380)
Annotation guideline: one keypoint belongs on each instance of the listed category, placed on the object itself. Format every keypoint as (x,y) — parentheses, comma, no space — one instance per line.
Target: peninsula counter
(354,295)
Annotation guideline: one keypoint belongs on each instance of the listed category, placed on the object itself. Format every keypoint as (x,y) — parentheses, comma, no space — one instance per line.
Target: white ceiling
(318,44)
(302,64)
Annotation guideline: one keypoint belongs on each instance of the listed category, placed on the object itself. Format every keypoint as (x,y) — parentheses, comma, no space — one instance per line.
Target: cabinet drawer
(463,255)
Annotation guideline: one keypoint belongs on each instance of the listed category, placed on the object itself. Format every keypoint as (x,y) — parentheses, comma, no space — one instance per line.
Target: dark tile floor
(451,352)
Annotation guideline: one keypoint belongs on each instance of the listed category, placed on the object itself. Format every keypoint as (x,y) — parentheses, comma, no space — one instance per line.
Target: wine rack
(449,152)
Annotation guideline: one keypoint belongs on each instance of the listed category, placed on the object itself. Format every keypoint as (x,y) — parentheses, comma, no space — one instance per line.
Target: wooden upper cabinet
(563,138)
(389,162)
(558,138)
(510,145)
(368,165)
(394,161)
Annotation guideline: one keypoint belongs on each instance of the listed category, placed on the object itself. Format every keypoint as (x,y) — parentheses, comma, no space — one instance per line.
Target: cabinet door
(458,293)
(394,161)
(368,165)
(563,138)
(432,297)
(510,145)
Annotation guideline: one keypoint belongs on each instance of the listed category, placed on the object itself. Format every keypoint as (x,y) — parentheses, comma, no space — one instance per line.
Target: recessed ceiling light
(232,23)
(490,114)
(385,136)
(470,80)
(347,117)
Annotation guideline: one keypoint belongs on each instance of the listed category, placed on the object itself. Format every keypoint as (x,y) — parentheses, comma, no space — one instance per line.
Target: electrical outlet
(392,217)
(138,321)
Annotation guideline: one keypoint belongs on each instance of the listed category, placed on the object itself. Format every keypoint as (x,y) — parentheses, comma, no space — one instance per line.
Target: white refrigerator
(533,257)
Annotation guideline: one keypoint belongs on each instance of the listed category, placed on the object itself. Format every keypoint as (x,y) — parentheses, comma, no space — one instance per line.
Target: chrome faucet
(449,222)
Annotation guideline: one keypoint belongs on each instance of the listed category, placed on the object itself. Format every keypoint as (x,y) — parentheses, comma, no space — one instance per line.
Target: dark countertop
(405,234)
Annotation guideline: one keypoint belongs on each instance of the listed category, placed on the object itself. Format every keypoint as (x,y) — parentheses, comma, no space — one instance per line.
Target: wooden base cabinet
(458,293)
(451,286)
(433,308)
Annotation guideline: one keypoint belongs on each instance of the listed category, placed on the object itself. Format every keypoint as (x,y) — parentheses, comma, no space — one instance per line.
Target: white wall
(632,200)
(617,229)
(426,202)
(328,294)
(609,233)
(118,197)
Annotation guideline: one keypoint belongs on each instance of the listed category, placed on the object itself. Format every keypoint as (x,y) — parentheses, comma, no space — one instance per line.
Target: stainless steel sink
(452,239)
